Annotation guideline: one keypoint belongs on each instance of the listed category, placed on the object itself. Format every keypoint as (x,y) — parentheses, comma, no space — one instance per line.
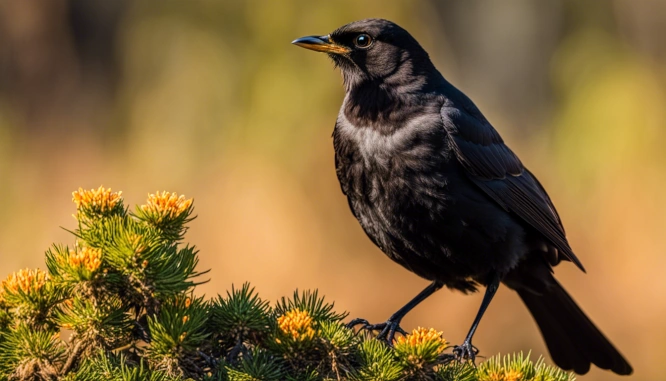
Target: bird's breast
(393,179)
(395,161)
(414,201)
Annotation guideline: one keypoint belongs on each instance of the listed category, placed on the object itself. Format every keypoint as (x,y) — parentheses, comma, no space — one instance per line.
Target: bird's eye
(362,40)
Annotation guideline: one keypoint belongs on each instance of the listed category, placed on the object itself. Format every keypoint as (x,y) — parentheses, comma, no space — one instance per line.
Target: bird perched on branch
(435,187)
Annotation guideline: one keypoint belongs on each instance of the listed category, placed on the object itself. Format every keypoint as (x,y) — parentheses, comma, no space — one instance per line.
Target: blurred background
(209,99)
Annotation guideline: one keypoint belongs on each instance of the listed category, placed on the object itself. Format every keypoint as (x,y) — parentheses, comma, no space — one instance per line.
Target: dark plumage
(436,189)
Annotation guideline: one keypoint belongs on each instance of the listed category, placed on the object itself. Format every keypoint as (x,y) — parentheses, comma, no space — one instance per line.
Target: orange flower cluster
(167,204)
(26,280)
(513,375)
(420,336)
(100,199)
(297,324)
(88,258)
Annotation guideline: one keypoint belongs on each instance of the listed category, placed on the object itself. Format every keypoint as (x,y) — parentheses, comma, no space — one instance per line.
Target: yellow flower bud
(167,204)
(297,324)
(100,200)
(26,280)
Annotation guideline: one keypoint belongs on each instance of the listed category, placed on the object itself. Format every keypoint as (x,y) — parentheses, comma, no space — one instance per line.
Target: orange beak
(320,44)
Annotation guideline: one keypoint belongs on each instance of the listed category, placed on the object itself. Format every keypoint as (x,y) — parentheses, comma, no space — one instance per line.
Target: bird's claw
(387,330)
(362,322)
(465,351)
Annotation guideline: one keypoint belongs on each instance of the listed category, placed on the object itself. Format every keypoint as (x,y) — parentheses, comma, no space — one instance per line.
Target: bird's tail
(574,342)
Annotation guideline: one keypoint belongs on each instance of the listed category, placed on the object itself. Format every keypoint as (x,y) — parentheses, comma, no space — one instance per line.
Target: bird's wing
(494,168)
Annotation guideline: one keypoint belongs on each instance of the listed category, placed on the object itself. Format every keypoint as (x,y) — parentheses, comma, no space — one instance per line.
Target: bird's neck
(384,104)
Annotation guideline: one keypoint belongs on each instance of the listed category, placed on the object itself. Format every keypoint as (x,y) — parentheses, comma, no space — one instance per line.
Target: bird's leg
(388,329)
(466,351)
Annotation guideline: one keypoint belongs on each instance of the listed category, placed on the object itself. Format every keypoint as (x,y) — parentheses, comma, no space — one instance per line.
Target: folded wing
(494,168)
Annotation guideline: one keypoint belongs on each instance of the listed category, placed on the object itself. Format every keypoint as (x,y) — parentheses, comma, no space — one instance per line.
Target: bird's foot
(465,351)
(387,330)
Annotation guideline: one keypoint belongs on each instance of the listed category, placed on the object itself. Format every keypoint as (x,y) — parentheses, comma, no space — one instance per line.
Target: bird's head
(371,50)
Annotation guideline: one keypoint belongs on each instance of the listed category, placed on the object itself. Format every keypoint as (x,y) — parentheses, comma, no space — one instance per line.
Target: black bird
(436,189)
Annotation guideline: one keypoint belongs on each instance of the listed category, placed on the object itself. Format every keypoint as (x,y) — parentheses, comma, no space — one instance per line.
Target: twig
(235,350)
(72,356)
(208,359)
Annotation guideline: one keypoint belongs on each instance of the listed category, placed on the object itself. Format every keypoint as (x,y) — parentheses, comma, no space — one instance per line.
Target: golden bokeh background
(209,99)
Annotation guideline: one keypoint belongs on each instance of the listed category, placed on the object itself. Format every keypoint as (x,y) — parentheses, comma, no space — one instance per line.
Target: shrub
(119,304)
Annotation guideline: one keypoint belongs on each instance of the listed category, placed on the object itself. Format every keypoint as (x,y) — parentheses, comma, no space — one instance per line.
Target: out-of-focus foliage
(210,98)
(134,317)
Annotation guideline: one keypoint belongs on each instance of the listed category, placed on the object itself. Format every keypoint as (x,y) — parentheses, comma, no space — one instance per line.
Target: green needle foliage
(241,316)
(119,305)
(310,302)
(377,362)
